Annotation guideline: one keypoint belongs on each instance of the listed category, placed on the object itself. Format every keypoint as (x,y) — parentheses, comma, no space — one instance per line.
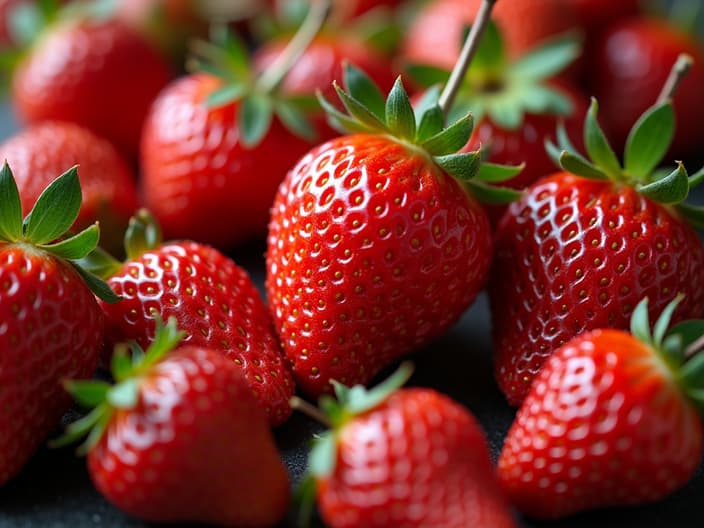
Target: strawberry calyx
(104,399)
(259,99)
(648,142)
(506,91)
(679,346)
(46,227)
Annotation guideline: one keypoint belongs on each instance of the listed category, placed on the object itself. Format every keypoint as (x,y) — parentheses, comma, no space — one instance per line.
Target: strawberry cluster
(396,158)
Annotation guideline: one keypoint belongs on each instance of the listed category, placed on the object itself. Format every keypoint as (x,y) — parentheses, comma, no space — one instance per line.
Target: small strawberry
(180,438)
(51,326)
(410,457)
(213,300)
(91,70)
(377,242)
(612,419)
(217,144)
(41,151)
(582,247)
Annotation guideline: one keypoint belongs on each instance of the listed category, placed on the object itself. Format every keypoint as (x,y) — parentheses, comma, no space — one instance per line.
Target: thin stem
(695,347)
(309,410)
(471,44)
(679,70)
(276,72)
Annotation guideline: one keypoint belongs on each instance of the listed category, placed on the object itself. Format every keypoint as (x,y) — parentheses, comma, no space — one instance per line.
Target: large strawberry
(612,419)
(91,70)
(217,144)
(51,325)
(40,152)
(213,300)
(377,243)
(180,438)
(410,457)
(582,247)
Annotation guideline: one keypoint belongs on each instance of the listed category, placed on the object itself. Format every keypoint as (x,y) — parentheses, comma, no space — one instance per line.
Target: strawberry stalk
(679,72)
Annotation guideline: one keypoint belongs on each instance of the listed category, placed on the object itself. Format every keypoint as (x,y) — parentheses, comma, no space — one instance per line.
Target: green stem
(695,347)
(311,26)
(309,410)
(679,71)
(471,45)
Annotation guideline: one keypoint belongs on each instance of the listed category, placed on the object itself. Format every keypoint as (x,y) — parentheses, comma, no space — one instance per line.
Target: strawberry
(217,146)
(435,35)
(582,247)
(630,62)
(595,15)
(79,69)
(410,457)
(180,438)
(213,300)
(612,419)
(377,242)
(51,326)
(41,151)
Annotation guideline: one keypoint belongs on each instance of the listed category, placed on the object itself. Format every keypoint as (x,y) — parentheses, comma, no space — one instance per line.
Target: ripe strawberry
(375,246)
(91,71)
(595,15)
(213,300)
(180,438)
(435,35)
(582,247)
(51,325)
(410,457)
(610,420)
(630,63)
(41,151)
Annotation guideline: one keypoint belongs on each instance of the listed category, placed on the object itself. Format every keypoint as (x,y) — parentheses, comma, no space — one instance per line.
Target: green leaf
(80,428)
(493,173)
(98,286)
(431,123)
(649,140)
(663,322)
(688,331)
(492,195)
(640,323)
(672,189)
(553,152)
(464,166)
(339,121)
(563,138)
(143,234)
(56,209)
(504,112)
(295,121)
(166,338)
(452,139)
(254,118)
(11,209)
(76,247)
(304,500)
(121,363)
(362,400)
(358,111)
(399,112)
(24,23)
(96,433)
(597,145)
(323,456)
(426,75)
(549,59)
(124,395)
(576,164)
(363,89)
(692,374)
(88,393)
(227,94)
(693,214)
(696,178)
(490,56)
(539,99)
(100,263)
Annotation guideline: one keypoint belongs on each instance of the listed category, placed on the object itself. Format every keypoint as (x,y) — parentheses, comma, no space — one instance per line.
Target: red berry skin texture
(574,255)
(604,424)
(197,177)
(41,152)
(51,328)
(215,302)
(631,62)
(372,252)
(417,460)
(196,448)
(101,75)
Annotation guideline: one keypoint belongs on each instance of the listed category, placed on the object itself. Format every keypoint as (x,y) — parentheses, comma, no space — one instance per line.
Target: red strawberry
(51,325)
(410,457)
(94,72)
(213,300)
(582,247)
(611,420)
(40,152)
(630,63)
(595,15)
(180,438)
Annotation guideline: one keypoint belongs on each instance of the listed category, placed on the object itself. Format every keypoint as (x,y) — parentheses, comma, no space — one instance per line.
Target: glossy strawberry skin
(51,329)
(631,62)
(196,448)
(100,75)
(372,252)
(418,459)
(215,302)
(195,168)
(574,255)
(40,152)
(604,424)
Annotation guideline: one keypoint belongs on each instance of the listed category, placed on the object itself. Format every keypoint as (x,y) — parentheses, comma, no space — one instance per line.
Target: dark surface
(54,490)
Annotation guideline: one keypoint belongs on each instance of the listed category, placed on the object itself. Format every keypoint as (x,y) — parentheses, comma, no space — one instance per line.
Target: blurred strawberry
(596,15)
